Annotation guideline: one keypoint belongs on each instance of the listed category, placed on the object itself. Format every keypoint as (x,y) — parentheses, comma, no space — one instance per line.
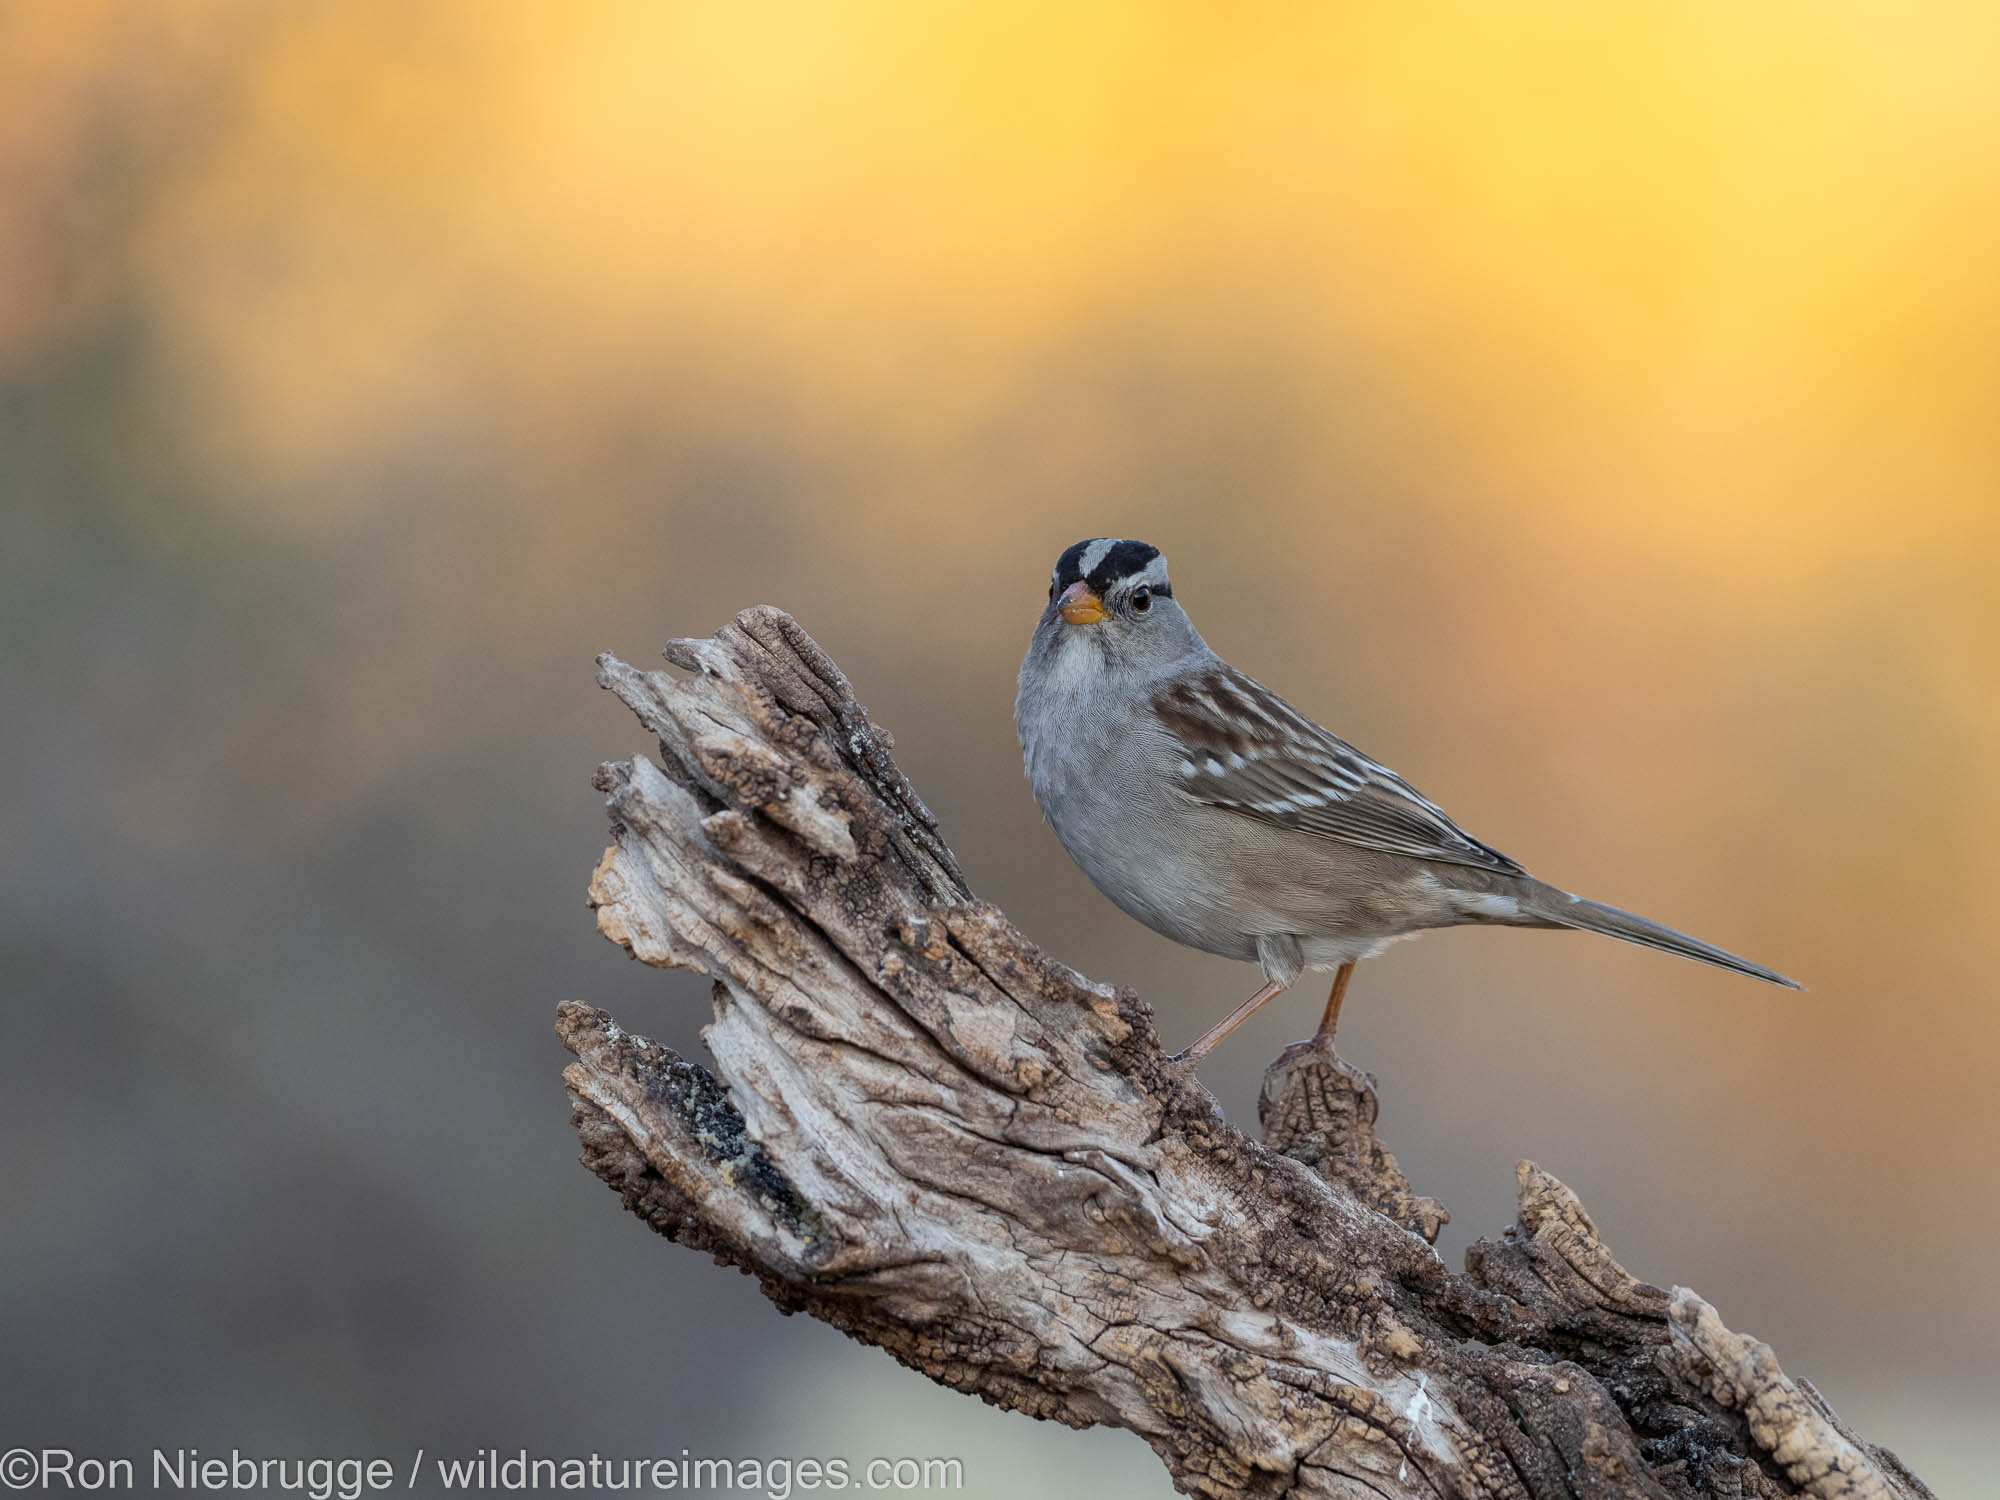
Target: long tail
(1560,909)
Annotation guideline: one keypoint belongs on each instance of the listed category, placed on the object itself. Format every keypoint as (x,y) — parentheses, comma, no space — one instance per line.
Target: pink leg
(1205,1043)
(1333,1003)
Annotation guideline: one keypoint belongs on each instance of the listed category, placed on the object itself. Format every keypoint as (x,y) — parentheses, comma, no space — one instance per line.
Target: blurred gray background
(1622,475)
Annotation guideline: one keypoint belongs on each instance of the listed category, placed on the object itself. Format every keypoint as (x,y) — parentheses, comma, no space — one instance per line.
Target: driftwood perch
(926,1132)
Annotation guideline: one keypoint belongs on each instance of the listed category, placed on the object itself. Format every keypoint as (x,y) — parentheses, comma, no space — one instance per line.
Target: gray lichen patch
(693,1093)
(696,1108)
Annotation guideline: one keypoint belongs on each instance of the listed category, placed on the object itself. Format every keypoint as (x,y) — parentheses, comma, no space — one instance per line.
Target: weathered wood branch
(926,1132)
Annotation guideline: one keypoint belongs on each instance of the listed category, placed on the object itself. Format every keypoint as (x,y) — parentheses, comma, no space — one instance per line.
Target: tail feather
(1560,909)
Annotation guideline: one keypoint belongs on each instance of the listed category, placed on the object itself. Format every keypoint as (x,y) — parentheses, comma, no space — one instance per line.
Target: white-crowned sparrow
(1220,816)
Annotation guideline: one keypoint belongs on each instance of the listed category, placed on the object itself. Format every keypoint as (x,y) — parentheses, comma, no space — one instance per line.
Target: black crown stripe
(1122,560)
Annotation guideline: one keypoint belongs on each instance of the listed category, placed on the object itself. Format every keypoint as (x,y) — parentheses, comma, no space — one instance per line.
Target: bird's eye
(1142,599)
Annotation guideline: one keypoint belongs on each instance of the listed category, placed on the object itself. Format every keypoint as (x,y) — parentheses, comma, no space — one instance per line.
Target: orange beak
(1080,606)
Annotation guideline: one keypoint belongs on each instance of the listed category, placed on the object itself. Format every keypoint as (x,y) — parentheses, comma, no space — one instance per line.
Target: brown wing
(1245,748)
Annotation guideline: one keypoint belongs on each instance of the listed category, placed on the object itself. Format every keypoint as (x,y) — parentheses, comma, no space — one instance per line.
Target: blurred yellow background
(1592,411)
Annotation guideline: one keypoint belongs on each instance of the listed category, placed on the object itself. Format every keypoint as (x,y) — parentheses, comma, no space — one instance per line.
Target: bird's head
(1111,598)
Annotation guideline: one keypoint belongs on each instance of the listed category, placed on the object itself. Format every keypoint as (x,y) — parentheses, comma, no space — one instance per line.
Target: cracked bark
(924,1131)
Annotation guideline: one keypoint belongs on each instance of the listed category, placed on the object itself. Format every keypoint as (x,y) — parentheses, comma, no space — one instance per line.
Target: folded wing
(1245,748)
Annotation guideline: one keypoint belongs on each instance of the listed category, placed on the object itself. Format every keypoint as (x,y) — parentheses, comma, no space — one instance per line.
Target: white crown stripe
(1095,554)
